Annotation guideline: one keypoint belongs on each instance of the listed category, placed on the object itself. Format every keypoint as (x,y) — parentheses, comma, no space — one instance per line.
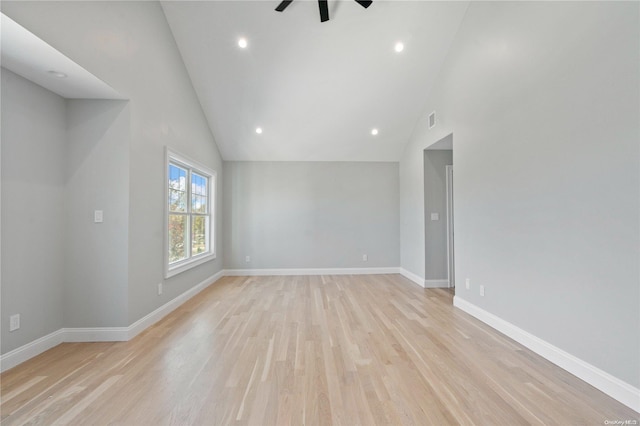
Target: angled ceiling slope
(316,90)
(32,58)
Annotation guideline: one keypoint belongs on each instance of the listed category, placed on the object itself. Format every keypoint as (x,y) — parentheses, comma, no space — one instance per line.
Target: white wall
(543,102)
(137,57)
(33,145)
(311,214)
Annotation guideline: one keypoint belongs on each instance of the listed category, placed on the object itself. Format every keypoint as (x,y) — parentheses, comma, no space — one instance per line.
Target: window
(190,214)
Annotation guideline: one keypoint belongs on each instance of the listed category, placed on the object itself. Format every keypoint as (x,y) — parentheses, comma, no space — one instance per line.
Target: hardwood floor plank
(20,388)
(313,350)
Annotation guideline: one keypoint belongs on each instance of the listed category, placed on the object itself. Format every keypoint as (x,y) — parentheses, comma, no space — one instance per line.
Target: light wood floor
(305,350)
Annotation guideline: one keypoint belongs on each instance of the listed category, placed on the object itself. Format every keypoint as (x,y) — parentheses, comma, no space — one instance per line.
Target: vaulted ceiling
(317,90)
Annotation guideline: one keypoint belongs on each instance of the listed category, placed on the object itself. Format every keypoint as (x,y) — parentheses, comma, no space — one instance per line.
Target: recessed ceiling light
(259,130)
(57,74)
(374,132)
(399,47)
(243,43)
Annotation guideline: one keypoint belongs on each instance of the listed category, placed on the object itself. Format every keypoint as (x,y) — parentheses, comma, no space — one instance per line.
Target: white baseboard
(612,386)
(413,277)
(148,320)
(100,334)
(309,271)
(120,334)
(436,283)
(96,334)
(30,350)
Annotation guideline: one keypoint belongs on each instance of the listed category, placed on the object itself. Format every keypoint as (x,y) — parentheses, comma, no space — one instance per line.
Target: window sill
(189,264)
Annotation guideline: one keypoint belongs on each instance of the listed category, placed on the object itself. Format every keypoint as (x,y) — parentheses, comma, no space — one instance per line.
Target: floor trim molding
(31,349)
(310,271)
(413,277)
(436,283)
(100,334)
(151,318)
(122,334)
(612,386)
(95,334)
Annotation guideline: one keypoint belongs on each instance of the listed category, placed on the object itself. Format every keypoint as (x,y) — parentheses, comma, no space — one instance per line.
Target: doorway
(451,272)
(438,214)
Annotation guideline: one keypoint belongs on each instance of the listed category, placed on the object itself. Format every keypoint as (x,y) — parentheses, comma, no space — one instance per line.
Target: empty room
(342,212)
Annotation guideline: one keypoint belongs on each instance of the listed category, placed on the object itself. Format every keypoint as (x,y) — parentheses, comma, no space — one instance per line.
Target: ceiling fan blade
(364,3)
(324,10)
(282,6)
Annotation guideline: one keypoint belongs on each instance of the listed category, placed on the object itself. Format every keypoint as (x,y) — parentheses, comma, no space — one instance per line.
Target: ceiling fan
(324,8)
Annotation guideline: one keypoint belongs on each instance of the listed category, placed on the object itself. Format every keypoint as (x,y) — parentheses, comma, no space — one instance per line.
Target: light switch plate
(98,216)
(435,216)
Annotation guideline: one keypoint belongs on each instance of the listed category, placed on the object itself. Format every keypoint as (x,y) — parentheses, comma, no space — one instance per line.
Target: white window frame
(192,166)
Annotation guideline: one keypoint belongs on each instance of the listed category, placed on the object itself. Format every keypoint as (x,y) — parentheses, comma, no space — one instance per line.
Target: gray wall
(543,102)
(435,201)
(140,61)
(33,147)
(97,178)
(62,159)
(311,214)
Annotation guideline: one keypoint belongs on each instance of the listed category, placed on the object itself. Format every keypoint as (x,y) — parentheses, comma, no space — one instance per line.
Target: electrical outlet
(98,216)
(467,283)
(481,290)
(159,289)
(14,322)
(365,258)
(247,259)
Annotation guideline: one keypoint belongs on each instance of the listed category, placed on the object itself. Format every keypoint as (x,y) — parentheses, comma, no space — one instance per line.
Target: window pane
(178,228)
(177,178)
(177,188)
(195,184)
(199,185)
(199,193)
(199,204)
(198,234)
(177,201)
